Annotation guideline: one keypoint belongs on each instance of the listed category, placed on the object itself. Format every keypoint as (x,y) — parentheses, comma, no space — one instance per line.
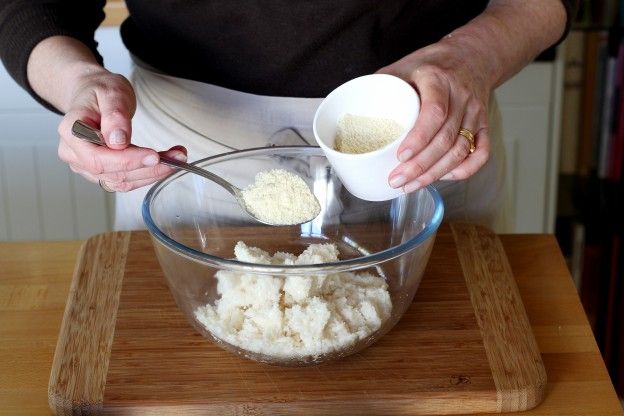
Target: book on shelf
(571,101)
(616,147)
(599,13)
(607,126)
(602,281)
(612,291)
(614,126)
(591,287)
(592,129)
(617,367)
(577,250)
(592,100)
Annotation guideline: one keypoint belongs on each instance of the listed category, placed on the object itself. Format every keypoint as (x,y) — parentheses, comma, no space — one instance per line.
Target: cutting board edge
(413,406)
(97,270)
(502,349)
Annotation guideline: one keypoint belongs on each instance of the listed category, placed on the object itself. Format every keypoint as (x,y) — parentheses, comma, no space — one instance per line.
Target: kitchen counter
(35,279)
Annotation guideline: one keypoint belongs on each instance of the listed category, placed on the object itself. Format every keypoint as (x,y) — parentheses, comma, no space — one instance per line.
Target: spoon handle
(83,131)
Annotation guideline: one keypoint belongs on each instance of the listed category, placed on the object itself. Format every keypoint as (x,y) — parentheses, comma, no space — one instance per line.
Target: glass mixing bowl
(289,314)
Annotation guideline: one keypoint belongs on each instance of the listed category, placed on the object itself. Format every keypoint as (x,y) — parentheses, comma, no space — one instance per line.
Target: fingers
(88,176)
(107,102)
(435,107)
(471,164)
(117,104)
(95,159)
(434,149)
(454,89)
(458,152)
(440,119)
(122,170)
(101,160)
(451,159)
(460,163)
(448,154)
(141,173)
(127,180)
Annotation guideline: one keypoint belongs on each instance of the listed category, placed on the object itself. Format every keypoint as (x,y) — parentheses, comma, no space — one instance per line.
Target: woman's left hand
(454,88)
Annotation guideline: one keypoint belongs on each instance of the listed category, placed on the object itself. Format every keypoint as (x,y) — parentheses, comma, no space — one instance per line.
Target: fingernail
(397,181)
(405,155)
(412,186)
(117,136)
(449,176)
(150,160)
(180,156)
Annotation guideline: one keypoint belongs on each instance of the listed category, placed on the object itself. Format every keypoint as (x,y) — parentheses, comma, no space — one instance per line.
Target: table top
(35,279)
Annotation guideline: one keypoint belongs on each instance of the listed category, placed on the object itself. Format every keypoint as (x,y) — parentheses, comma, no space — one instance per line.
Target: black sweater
(300,48)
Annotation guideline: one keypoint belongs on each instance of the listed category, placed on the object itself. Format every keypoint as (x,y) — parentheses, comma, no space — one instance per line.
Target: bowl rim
(333,267)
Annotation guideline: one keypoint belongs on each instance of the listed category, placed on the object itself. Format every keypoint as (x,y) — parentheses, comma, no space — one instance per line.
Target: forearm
(55,65)
(511,33)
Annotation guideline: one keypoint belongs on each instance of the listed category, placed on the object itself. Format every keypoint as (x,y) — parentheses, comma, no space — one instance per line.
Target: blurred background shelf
(590,197)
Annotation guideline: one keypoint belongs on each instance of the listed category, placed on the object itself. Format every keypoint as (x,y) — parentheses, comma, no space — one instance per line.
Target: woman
(214,76)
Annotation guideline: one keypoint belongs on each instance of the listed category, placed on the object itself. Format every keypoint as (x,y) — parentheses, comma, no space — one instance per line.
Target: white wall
(531,109)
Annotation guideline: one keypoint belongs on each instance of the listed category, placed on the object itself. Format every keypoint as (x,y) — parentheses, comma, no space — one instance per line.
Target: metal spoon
(88,133)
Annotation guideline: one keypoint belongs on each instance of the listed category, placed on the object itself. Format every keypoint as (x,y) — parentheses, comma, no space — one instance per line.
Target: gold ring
(470,137)
(104,186)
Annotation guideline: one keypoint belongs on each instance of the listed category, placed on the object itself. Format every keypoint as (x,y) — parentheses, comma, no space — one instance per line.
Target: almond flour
(281,198)
(363,134)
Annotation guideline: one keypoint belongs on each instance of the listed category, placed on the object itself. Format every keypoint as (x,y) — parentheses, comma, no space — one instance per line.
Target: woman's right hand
(107,102)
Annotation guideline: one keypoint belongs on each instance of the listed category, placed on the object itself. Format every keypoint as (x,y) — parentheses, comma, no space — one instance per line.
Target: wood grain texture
(116,12)
(35,279)
(82,353)
(442,357)
(34,282)
(514,357)
(433,358)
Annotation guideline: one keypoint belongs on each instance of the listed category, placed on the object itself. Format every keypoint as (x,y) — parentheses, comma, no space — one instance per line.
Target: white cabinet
(531,109)
(40,198)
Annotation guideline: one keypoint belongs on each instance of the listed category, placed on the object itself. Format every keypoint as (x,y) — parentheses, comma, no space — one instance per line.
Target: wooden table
(34,283)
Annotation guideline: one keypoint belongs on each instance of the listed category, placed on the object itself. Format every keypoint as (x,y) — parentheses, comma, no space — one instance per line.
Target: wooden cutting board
(464,346)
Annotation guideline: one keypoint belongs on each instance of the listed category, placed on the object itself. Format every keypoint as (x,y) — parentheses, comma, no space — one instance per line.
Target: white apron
(209,120)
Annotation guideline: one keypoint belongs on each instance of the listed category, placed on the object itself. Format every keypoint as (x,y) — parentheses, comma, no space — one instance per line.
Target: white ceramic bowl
(365,175)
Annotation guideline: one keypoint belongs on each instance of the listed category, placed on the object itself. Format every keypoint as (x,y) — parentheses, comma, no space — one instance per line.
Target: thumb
(117,107)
